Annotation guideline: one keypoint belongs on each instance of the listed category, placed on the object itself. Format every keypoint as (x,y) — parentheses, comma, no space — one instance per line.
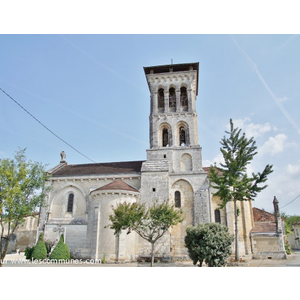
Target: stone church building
(79,203)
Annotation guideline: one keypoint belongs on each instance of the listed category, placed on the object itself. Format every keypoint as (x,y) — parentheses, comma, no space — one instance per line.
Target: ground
(17,260)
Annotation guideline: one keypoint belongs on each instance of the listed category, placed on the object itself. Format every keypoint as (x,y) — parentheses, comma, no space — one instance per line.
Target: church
(82,195)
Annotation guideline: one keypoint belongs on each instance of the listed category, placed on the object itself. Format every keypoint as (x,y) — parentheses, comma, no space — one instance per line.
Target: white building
(80,201)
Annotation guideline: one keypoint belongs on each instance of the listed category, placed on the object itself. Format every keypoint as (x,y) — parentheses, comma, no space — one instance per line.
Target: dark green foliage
(61,251)
(209,243)
(28,252)
(39,251)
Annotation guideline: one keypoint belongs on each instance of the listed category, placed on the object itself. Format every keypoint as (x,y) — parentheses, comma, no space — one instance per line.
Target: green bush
(209,243)
(61,251)
(40,250)
(28,252)
(287,247)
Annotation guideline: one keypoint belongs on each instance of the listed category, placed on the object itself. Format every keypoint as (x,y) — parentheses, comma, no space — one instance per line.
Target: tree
(40,250)
(150,223)
(209,243)
(61,251)
(22,191)
(289,221)
(231,180)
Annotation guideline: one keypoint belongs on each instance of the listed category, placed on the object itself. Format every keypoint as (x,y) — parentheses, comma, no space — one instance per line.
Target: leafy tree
(289,221)
(21,193)
(150,223)
(209,243)
(61,250)
(231,180)
(40,250)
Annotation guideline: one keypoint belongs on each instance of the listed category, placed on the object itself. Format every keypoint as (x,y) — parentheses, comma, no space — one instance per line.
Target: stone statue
(63,156)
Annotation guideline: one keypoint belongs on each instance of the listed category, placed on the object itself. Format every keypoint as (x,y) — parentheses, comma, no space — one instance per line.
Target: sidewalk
(18,260)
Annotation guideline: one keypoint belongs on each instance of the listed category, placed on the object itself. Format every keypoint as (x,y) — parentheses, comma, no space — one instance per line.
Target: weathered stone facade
(80,201)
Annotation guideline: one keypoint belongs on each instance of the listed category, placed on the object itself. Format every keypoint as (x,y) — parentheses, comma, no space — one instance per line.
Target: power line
(45,125)
(290,202)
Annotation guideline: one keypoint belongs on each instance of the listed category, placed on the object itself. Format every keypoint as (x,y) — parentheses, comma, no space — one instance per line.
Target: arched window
(177,199)
(70,203)
(165,137)
(182,136)
(217,216)
(172,99)
(161,99)
(183,98)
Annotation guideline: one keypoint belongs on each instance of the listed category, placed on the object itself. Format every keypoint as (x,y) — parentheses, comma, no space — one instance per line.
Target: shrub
(39,251)
(287,246)
(61,251)
(28,252)
(209,243)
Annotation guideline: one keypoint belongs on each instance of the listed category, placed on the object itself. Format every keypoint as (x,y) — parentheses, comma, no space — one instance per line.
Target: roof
(175,67)
(98,168)
(117,185)
(260,215)
(264,222)
(260,227)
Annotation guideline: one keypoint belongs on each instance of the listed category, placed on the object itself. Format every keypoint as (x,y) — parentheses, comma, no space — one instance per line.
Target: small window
(217,216)
(177,199)
(70,203)
(165,156)
(183,98)
(172,99)
(153,190)
(165,137)
(182,136)
(161,99)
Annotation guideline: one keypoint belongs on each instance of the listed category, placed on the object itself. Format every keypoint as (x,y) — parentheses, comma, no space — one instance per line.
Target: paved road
(293,260)
(18,260)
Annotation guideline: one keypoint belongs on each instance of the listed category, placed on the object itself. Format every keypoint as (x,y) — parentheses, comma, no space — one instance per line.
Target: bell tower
(173,118)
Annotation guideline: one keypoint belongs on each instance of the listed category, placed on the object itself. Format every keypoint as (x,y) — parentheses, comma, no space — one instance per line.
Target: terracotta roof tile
(260,215)
(260,227)
(99,168)
(117,185)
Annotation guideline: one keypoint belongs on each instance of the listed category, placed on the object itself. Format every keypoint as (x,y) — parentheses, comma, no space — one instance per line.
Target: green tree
(209,243)
(289,221)
(21,193)
(61,251)
(231,180)
(40,250)
(150,223)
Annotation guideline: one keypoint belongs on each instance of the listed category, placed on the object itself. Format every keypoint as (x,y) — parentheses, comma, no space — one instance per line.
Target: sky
(91,92)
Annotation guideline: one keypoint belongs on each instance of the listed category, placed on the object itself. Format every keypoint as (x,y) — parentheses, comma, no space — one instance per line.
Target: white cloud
(218,159)
(274,144)
(251,129)
(293,170)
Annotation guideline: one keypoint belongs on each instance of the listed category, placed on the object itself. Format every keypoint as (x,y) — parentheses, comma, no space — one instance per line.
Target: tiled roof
(99,168)
(117,185)
(264,222)
(260,227)
(260,215)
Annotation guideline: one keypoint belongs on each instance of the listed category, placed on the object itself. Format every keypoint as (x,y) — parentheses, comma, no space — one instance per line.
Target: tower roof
(173,68)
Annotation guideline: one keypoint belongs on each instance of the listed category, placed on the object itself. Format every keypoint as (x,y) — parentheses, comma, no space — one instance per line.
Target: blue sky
(91,91)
